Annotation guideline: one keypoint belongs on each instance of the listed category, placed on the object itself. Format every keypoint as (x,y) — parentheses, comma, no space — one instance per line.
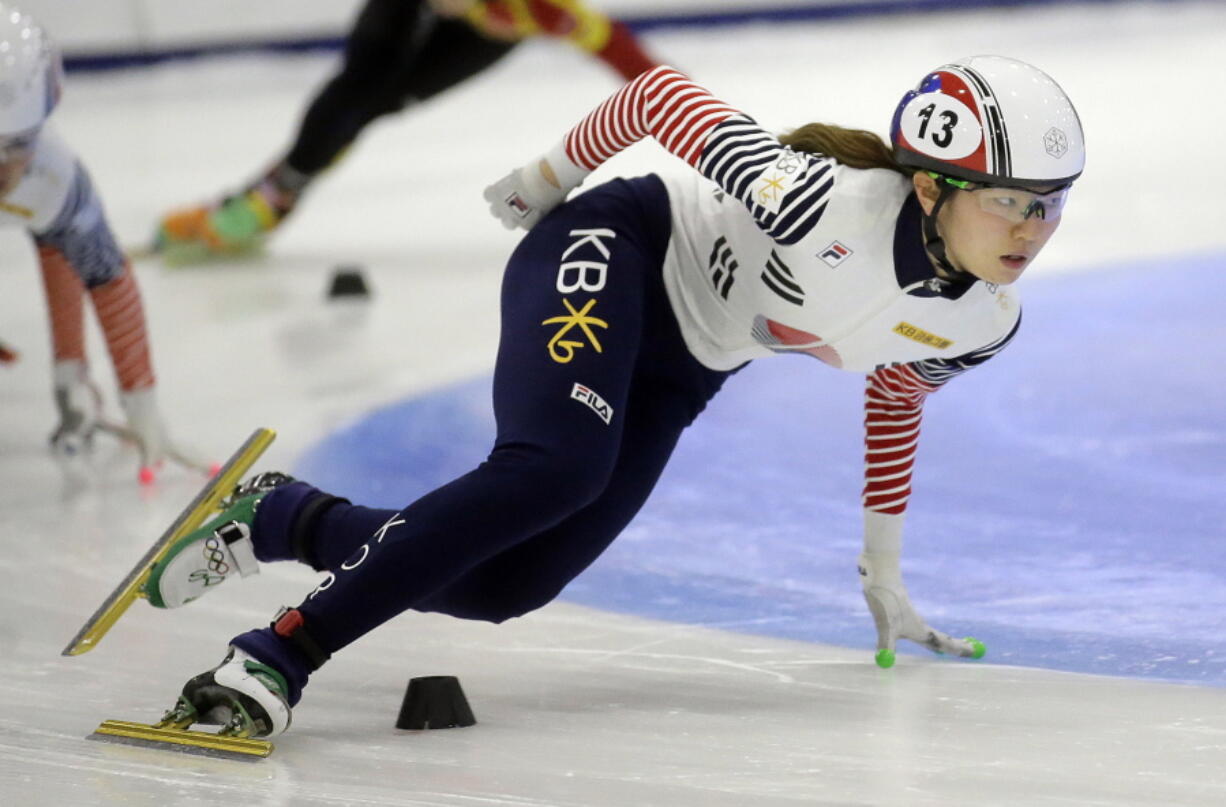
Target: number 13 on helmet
(993,120)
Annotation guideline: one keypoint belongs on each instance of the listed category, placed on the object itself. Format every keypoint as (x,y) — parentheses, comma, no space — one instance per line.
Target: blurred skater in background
(45,189)
(626,308)
(399,53)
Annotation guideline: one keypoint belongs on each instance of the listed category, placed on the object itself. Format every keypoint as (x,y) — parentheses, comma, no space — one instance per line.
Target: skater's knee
(526,601)
(485,604)
(577,487)
(368,96)
(568,481)
(529,598)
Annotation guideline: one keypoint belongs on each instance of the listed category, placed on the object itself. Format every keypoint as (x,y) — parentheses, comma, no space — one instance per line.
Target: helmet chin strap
(934,245)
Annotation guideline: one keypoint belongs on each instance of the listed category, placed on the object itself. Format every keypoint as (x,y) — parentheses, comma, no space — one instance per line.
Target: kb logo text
(580,273)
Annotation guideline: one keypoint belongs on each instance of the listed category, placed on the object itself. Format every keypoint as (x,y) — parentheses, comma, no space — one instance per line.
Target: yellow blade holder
(171,738)
(192,517)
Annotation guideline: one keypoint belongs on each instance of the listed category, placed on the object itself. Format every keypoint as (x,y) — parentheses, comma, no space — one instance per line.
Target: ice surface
(577,706)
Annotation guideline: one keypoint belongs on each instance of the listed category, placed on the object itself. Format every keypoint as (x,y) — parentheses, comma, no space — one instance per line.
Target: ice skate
(205,558)
(245,698)
(206,502)
(235,227)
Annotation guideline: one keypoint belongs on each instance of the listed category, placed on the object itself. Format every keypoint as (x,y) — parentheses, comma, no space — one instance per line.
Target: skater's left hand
(145,425)
(524,196)
(896,618)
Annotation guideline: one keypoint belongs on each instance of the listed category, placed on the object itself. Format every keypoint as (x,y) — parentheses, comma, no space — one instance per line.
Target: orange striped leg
(122,317)
(65,294)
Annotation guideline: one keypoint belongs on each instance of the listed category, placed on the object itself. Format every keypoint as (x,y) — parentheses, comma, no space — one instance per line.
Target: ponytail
(855,148)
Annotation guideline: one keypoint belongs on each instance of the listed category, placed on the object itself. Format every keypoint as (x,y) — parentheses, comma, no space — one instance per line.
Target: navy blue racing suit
(592,389)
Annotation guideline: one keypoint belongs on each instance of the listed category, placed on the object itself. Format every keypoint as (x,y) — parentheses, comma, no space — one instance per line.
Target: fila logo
(835,254)
(593,401)
(517,203)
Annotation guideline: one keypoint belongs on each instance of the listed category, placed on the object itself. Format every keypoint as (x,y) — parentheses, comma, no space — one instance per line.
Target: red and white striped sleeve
(785,192)
(662,103)
(893,406)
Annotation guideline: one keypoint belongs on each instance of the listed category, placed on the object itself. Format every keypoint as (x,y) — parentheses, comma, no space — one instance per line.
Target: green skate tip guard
(885,659)
(979,649)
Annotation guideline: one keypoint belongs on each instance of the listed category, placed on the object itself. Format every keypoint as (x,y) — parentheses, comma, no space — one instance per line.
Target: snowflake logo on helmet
(990,119)
(1056,142)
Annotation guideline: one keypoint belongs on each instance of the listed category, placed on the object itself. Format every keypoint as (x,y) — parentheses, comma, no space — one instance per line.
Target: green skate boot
(205,558)
(243,696)
(236,227)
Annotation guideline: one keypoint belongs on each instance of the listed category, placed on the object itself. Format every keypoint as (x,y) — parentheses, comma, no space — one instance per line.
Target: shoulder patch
(773,184)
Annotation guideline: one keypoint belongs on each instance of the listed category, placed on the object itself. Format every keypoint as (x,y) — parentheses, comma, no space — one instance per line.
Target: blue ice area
(1067,509)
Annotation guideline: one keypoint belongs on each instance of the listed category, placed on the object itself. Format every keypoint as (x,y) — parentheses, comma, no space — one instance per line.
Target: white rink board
(109,26)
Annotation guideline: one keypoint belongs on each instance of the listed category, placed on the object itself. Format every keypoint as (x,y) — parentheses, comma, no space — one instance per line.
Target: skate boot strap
(236,538)
(302,533)
(290,625)
(262,482)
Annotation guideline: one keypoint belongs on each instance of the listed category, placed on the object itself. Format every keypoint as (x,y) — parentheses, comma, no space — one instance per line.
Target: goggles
(1012,204)
(17,146)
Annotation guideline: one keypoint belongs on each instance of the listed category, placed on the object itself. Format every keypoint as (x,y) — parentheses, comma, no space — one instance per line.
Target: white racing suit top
(56,202)
(794,252)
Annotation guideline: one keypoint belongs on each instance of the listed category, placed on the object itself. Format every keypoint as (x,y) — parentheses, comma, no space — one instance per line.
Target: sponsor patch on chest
(920,335)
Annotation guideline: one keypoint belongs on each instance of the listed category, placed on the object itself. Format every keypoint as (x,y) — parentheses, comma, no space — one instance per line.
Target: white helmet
(993,120)
(30,73)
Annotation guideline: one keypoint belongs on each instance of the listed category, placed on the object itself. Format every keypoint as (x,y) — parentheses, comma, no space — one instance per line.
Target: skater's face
(16,151)
(993,233)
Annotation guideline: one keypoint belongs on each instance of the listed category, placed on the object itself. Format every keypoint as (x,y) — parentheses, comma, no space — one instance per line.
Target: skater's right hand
(525,195)
(79,403)
(896,618)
